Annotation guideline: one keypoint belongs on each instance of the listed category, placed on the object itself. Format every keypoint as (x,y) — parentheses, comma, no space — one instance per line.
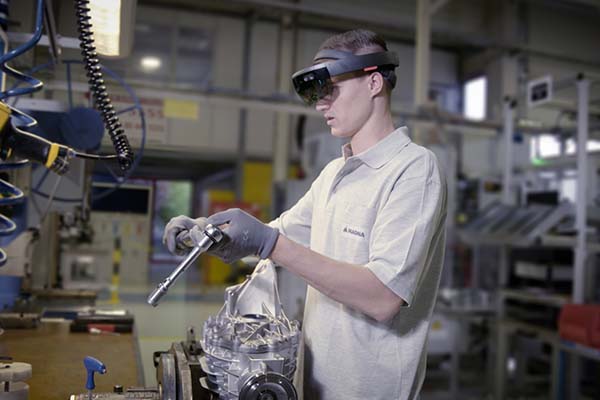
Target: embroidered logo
(353,232)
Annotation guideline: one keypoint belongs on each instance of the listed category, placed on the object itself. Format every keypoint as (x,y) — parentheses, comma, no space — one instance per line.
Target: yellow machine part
(4,119)
(4,114)
(256,190)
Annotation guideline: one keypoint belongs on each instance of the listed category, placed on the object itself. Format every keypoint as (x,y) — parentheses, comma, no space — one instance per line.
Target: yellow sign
(183,109)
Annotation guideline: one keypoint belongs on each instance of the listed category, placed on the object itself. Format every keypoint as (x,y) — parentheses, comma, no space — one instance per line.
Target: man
(368,237)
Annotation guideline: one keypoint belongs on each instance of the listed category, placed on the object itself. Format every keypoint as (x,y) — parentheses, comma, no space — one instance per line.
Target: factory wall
(217,129)
(214,130)
(549,30)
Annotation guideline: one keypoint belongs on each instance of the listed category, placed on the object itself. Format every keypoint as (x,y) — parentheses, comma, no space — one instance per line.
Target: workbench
(56,356)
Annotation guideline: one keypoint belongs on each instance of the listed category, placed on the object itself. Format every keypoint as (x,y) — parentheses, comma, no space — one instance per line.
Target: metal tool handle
(212,235)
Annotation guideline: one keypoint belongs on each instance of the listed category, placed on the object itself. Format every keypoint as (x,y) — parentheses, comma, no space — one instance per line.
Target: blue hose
(13,165)
(35,84)
(33,70)
(15,195)
(7,226)
(10,194)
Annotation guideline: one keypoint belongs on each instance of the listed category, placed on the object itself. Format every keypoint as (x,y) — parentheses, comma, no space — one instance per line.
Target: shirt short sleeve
(404,231)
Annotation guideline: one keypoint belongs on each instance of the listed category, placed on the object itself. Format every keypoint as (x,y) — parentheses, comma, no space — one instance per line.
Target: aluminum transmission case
(250,346)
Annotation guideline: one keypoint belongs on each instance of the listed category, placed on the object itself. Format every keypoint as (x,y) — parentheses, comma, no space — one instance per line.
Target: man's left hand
(245,236)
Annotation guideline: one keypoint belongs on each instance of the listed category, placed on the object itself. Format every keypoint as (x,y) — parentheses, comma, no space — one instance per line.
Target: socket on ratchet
(212,235)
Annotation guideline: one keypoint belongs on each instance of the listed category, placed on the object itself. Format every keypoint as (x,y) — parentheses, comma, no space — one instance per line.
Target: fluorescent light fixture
(150,63)
(113,23)
(475,98)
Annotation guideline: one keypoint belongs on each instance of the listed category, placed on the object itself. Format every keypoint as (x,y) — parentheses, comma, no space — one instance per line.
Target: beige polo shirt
(385,209)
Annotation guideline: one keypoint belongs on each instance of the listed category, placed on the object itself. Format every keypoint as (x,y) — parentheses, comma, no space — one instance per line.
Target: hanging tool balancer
(98,87)
(14,140)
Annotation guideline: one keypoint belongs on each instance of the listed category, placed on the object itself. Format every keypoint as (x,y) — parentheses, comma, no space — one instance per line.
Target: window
(592,145)
(166,53)
(150,58)
(544,146)
(548,146)
(474,102)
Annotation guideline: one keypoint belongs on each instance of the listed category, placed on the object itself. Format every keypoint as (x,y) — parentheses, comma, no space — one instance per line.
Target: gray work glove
(175,227)
(243,236)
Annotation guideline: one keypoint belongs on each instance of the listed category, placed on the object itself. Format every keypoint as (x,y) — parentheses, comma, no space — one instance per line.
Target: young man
(368,237)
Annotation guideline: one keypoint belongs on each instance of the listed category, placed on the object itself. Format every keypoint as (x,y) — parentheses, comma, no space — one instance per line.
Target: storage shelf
(568,242)
(581,350)
(551,336)
(544,334)
(546,299)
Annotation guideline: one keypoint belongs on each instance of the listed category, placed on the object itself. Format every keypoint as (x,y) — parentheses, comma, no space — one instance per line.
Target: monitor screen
(126,199)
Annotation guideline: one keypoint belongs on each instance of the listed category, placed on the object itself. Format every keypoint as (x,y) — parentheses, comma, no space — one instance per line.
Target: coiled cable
(4,13)
(98,87)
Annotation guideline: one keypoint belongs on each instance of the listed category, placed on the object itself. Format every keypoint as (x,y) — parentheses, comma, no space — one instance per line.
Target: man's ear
(376,83)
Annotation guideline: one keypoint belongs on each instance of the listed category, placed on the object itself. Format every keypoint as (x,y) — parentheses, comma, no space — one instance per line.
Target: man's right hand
(175,227)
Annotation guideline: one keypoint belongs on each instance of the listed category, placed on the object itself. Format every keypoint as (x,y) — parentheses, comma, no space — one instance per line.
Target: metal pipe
(422,52)
(70,90)
(583,92)
(422,61)
(289,104)
(5,47)
(281,142)
(53,37)
(243,128)
(508,132)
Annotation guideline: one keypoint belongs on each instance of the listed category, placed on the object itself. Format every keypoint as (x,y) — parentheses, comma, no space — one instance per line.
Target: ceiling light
(150,63)
(113,23)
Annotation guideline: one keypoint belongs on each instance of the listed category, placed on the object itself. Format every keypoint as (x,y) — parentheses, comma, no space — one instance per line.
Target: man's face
(348,107)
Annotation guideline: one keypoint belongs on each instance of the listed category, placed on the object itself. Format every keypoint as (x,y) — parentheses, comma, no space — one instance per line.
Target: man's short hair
(357,39)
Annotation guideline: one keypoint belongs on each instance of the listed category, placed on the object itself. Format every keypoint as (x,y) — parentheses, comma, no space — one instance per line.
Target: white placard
(539,91)
(156,123)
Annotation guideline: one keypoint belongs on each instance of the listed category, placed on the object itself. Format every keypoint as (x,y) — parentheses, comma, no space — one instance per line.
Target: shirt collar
(383,151)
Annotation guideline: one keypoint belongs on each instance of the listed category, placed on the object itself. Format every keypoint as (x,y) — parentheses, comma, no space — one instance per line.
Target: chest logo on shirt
(353,232)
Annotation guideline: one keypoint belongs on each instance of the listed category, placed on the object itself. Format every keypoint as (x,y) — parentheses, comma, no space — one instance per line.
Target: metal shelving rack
(580,244)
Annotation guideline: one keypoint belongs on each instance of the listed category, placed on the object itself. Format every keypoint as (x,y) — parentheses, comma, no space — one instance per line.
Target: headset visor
(314,83)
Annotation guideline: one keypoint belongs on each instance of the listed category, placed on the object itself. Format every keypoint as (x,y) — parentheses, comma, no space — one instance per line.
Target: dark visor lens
(313,86)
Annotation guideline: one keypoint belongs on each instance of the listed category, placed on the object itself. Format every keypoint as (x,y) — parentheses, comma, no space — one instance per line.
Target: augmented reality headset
(314,83)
